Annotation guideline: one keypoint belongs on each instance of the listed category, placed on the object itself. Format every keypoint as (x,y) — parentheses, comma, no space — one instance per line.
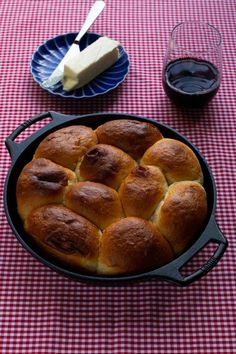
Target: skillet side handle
(172,272)
(14,147)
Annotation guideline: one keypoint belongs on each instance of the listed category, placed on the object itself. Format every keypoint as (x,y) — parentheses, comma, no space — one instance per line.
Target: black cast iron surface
(22,152)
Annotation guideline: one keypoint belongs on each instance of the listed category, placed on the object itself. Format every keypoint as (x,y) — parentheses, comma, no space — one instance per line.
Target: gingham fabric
(42,311)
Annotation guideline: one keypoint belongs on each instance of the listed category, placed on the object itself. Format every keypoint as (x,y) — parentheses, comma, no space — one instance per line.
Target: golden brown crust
(142,191)
(126,204)
(182,213)
(95,201)
(176,160)
(64,234)
(67,145)
(105,164)
(41,182)
(132,245)
(131,136)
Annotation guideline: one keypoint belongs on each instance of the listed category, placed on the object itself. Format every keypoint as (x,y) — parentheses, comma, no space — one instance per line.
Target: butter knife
(57,74)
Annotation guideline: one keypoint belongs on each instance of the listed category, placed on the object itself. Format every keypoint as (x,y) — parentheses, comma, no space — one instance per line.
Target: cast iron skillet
(22,152)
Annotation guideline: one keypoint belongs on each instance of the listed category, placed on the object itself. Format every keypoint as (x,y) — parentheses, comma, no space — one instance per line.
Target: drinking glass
(192,67)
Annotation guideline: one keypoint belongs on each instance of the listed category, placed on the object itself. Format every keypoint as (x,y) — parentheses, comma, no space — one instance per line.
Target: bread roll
(95,201)
(182,214)
(67,145)
(132,245)
(116,200)
(41,182)
(105,164)
(142,191)
(176,160)
(131,136)
(69,237)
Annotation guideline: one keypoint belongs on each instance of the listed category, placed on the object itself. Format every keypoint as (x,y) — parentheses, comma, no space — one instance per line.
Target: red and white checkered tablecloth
(40,310)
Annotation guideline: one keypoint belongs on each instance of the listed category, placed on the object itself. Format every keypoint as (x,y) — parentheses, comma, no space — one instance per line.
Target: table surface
(42,311)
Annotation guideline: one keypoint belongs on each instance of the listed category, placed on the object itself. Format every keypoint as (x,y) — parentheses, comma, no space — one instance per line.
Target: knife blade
(57,74)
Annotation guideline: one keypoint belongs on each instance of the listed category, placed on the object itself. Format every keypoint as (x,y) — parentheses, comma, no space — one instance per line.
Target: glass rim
(214,47)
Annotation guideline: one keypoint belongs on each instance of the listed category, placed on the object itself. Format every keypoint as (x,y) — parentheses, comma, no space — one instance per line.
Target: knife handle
(94,12)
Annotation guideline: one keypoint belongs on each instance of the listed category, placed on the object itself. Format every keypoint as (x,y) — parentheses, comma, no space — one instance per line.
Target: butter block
(92,61)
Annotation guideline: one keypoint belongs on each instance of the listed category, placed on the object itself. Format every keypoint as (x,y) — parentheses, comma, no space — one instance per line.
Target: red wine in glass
(191,81)
(192,66)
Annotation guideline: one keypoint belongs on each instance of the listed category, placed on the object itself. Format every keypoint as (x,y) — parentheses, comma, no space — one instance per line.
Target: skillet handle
(172,271)
(14,148)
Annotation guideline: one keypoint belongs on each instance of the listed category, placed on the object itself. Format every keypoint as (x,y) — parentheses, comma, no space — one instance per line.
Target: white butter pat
(92,61)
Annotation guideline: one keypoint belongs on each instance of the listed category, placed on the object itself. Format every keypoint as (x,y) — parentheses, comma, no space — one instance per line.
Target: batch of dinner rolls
(113,200)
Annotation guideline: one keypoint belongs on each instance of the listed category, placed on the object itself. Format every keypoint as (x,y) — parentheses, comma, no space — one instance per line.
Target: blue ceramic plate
(48,56)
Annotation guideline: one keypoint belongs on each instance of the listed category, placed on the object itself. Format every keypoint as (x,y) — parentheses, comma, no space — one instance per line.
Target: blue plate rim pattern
(75,93)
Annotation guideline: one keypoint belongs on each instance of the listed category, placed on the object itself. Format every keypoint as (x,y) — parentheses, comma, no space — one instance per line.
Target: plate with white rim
(48,55)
